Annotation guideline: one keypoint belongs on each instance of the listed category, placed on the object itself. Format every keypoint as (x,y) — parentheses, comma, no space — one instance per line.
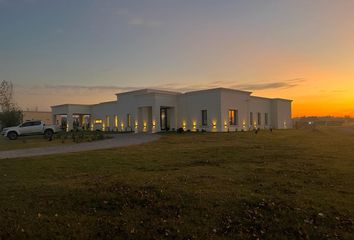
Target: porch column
(54,119)
(70,121)
(155,119)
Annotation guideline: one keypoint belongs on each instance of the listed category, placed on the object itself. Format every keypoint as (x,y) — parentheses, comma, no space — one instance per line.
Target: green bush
(78,136)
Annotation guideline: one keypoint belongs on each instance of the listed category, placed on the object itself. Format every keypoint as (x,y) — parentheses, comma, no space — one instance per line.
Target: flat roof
(149,90)
(71,104)
(282,99)
(219,89)
(109,102)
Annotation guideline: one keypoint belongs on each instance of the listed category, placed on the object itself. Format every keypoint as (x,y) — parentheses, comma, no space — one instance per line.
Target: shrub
(180,130)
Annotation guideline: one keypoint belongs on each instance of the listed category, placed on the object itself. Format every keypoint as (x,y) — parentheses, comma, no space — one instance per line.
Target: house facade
(150,110)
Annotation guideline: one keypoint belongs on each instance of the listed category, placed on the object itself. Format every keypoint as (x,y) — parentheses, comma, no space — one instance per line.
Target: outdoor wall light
(154,123)
(214,124)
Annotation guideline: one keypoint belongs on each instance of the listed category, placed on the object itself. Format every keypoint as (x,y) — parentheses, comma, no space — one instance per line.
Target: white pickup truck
(30,128)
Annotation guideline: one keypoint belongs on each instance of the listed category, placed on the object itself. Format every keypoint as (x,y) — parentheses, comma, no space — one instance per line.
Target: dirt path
(120,140)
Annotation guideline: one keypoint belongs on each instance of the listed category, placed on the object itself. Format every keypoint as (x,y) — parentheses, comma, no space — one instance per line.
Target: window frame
(233,117)
(204,117)
(26,124)
(251,119)
(259,118)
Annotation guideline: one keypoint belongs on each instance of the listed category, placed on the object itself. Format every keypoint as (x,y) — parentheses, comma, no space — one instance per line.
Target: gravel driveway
(119,140)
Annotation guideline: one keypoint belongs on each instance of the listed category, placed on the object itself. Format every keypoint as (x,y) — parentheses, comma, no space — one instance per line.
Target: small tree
(10,113)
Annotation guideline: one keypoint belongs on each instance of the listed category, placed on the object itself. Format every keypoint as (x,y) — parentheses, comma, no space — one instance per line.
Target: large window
(266,119)
(233,117)
(259,119)
(251,118)
(26,124)
(204,117)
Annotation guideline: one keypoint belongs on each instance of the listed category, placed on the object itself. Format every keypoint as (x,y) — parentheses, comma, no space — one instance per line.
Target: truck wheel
(12,135)
(48,133)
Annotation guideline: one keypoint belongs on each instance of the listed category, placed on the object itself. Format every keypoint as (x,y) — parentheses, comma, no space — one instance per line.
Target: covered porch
(70,116)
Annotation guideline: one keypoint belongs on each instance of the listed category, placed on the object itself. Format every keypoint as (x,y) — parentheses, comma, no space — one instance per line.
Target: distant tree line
(10,113)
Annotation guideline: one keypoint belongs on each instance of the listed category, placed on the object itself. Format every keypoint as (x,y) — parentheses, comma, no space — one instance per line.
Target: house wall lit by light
(150,110)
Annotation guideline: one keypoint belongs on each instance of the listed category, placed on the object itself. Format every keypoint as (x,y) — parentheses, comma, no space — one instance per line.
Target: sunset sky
(85,51)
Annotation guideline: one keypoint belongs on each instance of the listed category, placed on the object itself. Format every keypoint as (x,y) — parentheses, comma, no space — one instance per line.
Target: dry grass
(293,184)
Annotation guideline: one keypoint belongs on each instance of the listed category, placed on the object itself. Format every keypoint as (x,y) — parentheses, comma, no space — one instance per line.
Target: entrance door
(164,119)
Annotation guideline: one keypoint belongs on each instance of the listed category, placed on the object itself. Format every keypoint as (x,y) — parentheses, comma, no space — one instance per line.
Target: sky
(85,51)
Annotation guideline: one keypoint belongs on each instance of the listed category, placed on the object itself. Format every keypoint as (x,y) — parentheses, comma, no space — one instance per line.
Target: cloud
(18,1)
(271,85)
(144,22)
(181,86)
(86,88)
(138,21)
(44,96)
(290,83)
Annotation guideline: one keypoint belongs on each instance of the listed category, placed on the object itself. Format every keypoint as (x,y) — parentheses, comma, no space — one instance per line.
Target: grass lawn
(292,184)
(26,142)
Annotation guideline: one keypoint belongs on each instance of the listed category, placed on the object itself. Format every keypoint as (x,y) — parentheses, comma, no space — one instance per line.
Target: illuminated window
(266,119)
(259,118)
(233,117)
(204,117)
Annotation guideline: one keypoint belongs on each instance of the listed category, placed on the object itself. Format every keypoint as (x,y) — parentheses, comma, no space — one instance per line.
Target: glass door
(164,119)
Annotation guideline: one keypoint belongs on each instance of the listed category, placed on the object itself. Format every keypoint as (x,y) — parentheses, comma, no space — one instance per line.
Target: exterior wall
(190,106)
(103,112)
(183,110)
(281,112)
(234,100)
(262,106)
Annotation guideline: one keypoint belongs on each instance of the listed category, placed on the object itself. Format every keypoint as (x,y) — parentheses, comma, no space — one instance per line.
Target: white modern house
(150,110)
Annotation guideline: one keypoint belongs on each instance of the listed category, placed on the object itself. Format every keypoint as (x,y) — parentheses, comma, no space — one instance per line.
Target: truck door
(25,128)
(37,127)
